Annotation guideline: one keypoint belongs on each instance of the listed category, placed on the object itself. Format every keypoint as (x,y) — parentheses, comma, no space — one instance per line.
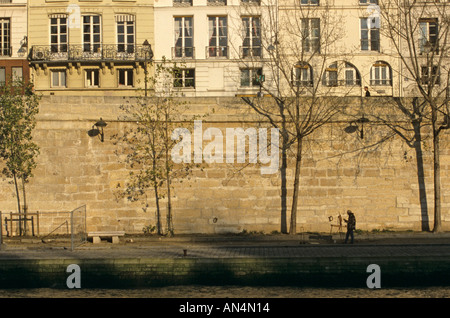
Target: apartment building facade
(90,47)
(337,46)
(13,41)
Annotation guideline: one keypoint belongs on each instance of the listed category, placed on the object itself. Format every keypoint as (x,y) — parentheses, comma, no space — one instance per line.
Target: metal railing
(97,52)
(217,51)
(67,227)
(183,52)
(250,51)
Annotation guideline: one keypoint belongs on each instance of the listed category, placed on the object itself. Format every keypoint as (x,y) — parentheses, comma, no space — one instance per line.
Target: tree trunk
(25,208)
(158,211)
(293,227)
(18,202)
(437,182)
(285,140)
(421,177)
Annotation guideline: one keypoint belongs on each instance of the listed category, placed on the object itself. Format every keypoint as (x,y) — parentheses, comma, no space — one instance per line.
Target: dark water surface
(229,292)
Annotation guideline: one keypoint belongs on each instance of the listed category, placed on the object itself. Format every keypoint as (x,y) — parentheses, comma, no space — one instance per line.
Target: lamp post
(97,130)
(352,128)
(147,50)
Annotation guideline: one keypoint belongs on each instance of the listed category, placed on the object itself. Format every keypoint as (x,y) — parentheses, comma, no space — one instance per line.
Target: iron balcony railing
(183,52)
(250,51)
(95,52)
(217,51)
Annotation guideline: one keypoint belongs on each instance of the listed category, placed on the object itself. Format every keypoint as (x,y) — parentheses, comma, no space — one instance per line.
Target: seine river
(234,292)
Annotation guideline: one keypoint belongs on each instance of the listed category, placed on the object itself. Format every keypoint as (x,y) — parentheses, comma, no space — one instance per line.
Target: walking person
(367,91)
(351,225)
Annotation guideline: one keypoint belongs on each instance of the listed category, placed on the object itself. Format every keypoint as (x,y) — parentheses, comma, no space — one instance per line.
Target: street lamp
(147,50)
(354,127)
(98,130)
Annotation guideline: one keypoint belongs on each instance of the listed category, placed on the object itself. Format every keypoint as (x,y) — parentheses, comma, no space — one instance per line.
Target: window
(91,33)
(302,75)
(330,77)
(380,74)
(179,3)
(251,77)
(430,75)
(251,45)
(352,76)
(184,78)
(251,2)
(126,77)
(428,36)
(59,78)
(2,76)
(17,73)
(58,34)
(310,35)
(370,35)
(184,39)
(92,78)
(341,73)
(368,1)
(218,37)
(5,37)
(309,2)
(125,34)
(217,2)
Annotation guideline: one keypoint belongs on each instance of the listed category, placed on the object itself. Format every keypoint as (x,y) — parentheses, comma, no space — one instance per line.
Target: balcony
(250,51)
(91,53)
(217,2)
(183,52)
(217,52)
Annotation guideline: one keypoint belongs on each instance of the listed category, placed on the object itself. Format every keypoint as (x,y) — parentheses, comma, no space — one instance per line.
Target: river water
(187,292)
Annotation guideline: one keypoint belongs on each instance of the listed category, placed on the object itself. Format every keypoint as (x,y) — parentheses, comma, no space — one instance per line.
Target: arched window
(341,74)
(302,74)
(381,74)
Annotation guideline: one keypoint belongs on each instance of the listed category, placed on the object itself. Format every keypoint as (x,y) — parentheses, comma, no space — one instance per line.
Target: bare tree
(148,143)
(418,34)
(291,55)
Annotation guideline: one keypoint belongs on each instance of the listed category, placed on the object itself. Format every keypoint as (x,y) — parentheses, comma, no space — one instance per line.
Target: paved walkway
(407,245)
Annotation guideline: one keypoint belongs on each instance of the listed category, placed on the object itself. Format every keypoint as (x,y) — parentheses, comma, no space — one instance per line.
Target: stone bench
(113,235)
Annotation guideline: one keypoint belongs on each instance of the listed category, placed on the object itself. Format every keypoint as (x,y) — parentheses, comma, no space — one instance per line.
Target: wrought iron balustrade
(93,52)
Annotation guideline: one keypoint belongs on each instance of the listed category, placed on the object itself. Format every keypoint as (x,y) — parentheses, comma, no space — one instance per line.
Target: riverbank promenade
(403,259)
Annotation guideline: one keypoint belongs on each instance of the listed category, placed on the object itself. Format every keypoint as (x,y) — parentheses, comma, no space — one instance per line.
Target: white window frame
(310,35)
(60,45)
(5,31)
(425,35)
(380,74)
(184,78)
(253,73)
(94,46)
(216,26)
(370,41)
(59,74)
(129,39)
(125,72)
(187,25)
(252,34)
(89,78)
(302,75)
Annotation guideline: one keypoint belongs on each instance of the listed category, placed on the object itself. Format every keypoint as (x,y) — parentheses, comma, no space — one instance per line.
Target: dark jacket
(351,223)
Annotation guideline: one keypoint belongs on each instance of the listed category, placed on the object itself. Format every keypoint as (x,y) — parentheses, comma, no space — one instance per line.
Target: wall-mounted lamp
(354,126)
(97,129)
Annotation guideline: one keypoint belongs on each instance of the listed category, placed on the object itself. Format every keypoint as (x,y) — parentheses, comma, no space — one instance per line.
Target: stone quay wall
(378,181)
